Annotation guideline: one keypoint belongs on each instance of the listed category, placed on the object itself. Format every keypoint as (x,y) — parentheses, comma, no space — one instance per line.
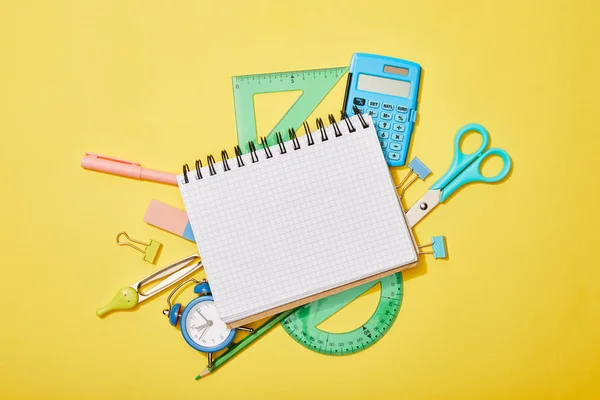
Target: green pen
(242,344)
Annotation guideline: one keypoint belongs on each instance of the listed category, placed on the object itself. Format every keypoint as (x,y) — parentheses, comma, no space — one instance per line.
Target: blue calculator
(386,89)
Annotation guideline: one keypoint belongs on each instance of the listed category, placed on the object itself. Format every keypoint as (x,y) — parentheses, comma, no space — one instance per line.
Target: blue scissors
(465,168)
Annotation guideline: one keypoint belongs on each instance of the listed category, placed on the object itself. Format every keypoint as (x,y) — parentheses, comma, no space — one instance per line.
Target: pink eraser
(169,218)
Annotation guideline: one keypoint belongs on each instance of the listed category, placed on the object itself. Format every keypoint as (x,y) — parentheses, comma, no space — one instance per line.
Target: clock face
(204,326)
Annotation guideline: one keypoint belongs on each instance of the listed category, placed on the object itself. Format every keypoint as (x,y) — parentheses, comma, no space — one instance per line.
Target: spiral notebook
(297,220)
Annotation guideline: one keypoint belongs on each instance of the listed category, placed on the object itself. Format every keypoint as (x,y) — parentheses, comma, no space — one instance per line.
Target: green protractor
(302,325)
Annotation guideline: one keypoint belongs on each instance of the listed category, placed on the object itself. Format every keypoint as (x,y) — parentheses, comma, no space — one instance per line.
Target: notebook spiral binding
(210,159)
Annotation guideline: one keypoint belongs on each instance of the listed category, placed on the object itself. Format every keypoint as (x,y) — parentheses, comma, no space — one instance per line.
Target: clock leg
(243,328)
(210,360)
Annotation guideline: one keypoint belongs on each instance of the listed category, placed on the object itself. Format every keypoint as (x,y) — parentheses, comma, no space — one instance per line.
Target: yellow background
(514,312)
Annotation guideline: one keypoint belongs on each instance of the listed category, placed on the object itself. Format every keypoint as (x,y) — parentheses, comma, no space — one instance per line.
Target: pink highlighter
(130,169)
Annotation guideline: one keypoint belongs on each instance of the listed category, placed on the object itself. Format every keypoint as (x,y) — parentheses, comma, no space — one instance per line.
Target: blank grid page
(297,224)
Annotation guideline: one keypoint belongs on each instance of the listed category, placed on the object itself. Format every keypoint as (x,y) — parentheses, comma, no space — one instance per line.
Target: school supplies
(170,219)
(465,168)
(151,249)
(200,324)
(302,323)
(438,247)
(130,296)
(129,169)
(315,84)
(387,89)
(296,221)
(242,344)
(366,334)
(416,167)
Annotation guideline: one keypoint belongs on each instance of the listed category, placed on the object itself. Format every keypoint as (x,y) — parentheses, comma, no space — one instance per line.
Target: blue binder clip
(438,247)
(417,167)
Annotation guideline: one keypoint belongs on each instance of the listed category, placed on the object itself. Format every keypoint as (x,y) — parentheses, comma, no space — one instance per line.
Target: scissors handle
(472,173)
(462,160)
(465,168)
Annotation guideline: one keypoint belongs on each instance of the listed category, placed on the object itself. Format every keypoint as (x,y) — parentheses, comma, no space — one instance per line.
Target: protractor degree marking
(356,340)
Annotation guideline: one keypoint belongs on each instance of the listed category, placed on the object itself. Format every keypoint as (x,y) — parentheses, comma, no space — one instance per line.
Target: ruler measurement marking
(355,340)
(314,89)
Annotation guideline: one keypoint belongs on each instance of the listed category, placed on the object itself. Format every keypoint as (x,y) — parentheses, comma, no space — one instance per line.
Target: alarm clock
(199,321)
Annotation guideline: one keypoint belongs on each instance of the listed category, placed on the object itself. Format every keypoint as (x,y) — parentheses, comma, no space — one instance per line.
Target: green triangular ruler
(314,84)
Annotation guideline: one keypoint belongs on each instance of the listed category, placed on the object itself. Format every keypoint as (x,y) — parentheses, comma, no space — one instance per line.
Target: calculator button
(359,101)
(383,134)
(360,110)
(393,155)
(395,146)
(400,118)
(402,109)
(386,115)
(384,125)
(399,127)
(373,104)
(388,106)
(383,144)
(372,113)
(398,137)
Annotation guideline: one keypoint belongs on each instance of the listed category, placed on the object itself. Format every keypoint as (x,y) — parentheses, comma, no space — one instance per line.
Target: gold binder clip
(150,251)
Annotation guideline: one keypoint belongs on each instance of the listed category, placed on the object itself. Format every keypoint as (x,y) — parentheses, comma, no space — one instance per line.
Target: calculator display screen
(377,84)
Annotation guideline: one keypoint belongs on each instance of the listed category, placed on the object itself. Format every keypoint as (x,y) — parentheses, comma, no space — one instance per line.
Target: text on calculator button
(373,104)
(387,106)
(383,134)
(372,113)
(400,118)
(398,137)
(393,155)
(383,125)
(402,109)
(399,127)
(359,101)
(386,115)
(395,146)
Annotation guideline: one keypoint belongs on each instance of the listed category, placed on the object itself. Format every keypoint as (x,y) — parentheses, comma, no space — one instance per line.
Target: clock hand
(203,332)
(199,313)
(201,326)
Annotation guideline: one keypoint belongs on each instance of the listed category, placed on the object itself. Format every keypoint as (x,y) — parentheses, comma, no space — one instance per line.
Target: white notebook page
(299,223)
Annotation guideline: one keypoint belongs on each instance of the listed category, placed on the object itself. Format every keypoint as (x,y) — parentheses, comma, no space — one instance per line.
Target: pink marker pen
(130,169)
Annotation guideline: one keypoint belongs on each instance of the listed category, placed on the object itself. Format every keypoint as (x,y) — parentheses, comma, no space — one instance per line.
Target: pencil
(236,348)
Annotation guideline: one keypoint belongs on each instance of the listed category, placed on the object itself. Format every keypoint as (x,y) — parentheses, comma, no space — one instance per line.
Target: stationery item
(201,326)
(170,219)
(242,344)
(465,168)
(151,249)
(387,89)
(315,84)
(296,221)
(129,169)
(302,324)
(438,247)
(316,313)
(417,167)
(130,296)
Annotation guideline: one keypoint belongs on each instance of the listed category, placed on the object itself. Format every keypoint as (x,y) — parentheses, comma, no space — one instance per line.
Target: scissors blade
(422,207)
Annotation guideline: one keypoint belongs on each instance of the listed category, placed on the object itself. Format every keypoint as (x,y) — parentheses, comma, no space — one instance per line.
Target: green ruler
(302,324)
(314,84)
